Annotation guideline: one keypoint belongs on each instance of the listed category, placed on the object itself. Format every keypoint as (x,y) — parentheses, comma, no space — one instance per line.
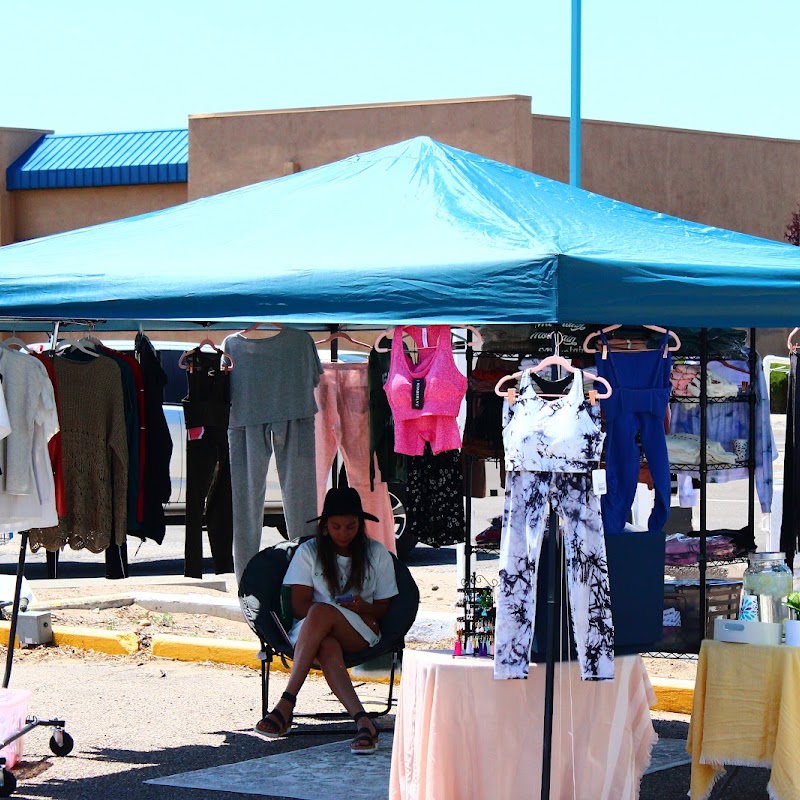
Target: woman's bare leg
(331,659)
(322,621)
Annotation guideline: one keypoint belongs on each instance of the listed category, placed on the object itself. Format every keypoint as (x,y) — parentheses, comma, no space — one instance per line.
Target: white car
(175,390)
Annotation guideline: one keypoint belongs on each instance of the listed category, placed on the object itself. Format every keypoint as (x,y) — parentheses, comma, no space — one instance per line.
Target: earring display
(475,624)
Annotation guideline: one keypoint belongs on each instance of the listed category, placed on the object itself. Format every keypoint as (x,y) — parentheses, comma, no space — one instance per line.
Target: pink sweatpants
(342,424)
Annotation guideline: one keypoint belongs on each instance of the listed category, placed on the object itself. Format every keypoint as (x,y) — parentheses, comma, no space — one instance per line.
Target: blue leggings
(641,384)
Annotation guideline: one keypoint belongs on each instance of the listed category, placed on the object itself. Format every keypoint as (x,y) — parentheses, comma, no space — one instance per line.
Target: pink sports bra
(425,398)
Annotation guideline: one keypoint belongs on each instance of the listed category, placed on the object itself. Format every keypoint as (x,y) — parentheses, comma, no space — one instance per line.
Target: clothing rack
(702,402)
(703,470)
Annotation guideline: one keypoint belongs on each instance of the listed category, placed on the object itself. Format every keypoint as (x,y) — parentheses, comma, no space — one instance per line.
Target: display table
(461,734)
(746,712)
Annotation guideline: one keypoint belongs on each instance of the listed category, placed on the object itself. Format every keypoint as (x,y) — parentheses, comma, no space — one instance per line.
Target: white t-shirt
(305,569)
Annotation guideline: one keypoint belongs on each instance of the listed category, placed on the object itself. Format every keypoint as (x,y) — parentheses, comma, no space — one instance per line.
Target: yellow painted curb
(221,651)
(673,695)
(226,651)
(115,643)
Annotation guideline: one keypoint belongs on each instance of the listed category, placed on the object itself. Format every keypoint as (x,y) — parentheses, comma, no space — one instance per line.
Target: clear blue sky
(88,65)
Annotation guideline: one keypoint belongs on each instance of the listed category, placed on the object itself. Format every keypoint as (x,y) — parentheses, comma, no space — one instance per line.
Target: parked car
(175,390)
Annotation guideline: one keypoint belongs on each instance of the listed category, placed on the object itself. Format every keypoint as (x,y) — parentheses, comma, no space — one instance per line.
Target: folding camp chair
(260,598)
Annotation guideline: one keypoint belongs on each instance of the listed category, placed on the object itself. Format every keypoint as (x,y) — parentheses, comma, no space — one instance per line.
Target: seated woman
(342,585)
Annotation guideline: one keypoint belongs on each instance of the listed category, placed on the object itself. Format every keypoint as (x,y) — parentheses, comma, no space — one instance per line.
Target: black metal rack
(704,469)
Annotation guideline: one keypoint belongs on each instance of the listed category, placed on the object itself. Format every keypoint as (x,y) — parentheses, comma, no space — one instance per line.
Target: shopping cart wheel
(9,784)
(63,748)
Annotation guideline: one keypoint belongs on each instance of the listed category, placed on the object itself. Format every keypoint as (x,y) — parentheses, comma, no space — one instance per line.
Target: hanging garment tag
(592,396)
(195,433)
(424,337)
(417,392)
(511,396)
(599,482)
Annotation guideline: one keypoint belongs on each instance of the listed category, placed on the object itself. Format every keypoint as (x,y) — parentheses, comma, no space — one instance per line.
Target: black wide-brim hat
(343,503)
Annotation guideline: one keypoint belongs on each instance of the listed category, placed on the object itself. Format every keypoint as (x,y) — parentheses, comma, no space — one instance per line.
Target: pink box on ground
(13,711)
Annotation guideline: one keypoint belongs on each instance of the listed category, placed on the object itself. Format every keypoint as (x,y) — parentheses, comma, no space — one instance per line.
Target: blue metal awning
(102,159)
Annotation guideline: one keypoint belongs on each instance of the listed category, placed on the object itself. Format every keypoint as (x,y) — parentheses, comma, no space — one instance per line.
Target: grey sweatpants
(251,448)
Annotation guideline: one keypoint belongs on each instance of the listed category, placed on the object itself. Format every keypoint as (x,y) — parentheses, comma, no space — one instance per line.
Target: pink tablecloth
(462,734)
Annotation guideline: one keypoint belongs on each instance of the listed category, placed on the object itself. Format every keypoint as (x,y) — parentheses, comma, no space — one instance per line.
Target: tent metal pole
(12,633)
(468,463)
(751,434)
(702,563)
(575,107)
(334,345)
(54,340)
(550,667)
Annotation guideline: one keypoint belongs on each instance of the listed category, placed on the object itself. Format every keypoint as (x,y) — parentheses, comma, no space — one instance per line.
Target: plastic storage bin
(722,600)
(13,711)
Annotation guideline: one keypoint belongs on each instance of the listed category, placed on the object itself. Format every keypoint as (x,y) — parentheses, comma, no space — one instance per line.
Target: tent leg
(12,633)
(550,667)
(265,657)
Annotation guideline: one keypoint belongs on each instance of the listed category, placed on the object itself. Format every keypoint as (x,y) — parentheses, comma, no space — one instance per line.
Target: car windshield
(177,386)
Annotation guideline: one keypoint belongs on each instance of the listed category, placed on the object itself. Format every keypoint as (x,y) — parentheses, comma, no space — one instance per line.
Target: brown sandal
(279,726)
(366,742)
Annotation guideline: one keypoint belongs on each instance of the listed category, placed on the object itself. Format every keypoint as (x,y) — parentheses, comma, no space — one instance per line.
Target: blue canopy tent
(413,232)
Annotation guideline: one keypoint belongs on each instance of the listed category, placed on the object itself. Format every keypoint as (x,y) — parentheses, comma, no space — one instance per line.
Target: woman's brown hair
(358,558)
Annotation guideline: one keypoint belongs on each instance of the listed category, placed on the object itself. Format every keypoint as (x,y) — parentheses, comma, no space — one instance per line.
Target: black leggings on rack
(208,488)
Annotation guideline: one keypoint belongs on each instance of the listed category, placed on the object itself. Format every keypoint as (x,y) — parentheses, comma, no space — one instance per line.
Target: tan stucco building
(745,183)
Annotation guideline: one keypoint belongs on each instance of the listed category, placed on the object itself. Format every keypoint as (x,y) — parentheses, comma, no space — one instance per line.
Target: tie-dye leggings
(524,517)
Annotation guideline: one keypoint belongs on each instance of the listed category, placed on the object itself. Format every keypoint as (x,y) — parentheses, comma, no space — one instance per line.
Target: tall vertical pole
(468,462)
(703,481)
(553,552)
(575,107)
(334,358)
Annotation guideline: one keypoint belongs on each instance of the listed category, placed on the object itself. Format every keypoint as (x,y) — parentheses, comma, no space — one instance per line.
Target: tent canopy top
(413,232)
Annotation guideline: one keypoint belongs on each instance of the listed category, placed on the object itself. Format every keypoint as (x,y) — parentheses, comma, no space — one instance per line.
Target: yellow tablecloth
(462,735)
(746,712)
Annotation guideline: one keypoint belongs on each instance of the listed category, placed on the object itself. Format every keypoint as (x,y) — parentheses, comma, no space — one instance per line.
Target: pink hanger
(346,336)
(389,332)
(673,348)
(257,325)
(225,366)
(552,361)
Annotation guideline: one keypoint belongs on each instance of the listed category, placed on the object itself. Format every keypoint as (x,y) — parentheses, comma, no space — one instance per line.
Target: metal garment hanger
(477,340)
(346,337)
(587,348)
(555,360)
(256,325)
(87,344)
(226,362)
(14,342)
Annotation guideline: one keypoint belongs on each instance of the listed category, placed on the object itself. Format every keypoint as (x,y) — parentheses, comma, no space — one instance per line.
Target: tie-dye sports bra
(560,435)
